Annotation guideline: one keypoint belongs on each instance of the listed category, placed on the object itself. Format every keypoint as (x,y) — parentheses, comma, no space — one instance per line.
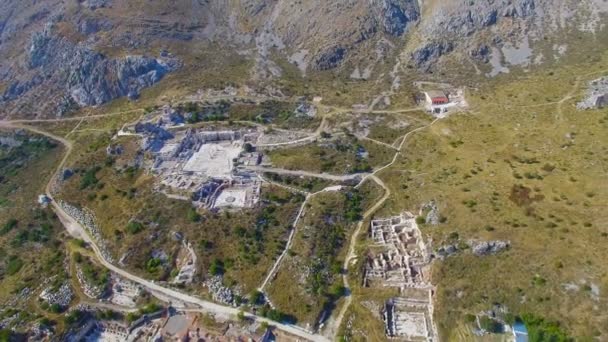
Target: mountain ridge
(315,36)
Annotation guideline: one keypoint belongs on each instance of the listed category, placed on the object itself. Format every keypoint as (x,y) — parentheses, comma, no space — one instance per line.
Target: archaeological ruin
(401,258)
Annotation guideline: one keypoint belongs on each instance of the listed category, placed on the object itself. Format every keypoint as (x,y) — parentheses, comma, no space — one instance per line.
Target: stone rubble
(62,296)
(305,109)
(87,220)
(219,292)
(446,251)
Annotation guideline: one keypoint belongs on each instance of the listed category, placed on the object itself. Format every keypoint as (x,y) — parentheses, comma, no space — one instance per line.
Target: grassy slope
(474,156)
(326,157)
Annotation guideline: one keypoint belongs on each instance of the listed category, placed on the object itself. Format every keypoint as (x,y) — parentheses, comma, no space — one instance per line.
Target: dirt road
(326,176)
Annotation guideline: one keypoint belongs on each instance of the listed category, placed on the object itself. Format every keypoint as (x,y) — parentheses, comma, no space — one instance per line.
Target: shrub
(338,291)
(152,265)
(131,317)
(134,227)
(256,297)
(275,315)
(13,265)
(150,308)
(78,257)
(6,335)
(540,330)
(193,215)
(217,267)
(264,326)
(107,315)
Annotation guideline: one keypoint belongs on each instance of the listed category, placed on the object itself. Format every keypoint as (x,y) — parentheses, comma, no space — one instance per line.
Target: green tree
(217,267)
(55,308)
(134,227)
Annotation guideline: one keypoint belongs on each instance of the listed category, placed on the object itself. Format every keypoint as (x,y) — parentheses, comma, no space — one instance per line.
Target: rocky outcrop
(481,248)
(88,76)
(452,21)
(79,76)
(481,53)
(477,247)
(20,87)
(330,58)
(97,80)
(396,16)
(432,216)
(431,52)
(463,17)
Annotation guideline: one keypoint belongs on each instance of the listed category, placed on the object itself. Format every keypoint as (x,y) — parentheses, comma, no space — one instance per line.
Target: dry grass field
(521,165)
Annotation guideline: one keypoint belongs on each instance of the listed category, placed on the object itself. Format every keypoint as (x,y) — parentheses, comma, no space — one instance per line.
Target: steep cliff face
(472,27)
(78,75)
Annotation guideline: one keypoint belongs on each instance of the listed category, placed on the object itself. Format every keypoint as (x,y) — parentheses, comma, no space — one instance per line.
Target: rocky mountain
(57,55)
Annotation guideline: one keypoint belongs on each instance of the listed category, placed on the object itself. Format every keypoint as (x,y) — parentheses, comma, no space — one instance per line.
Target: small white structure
(43,200)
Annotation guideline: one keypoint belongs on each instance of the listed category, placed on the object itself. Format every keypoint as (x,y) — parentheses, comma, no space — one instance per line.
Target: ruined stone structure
(401,258)
(406,257)
(410,319)
(201,166)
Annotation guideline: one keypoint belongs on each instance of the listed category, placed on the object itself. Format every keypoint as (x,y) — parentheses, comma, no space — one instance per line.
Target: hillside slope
(58,56)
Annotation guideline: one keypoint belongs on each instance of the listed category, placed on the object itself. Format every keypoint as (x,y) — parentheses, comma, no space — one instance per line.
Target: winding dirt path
(77,230)
(333,326)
